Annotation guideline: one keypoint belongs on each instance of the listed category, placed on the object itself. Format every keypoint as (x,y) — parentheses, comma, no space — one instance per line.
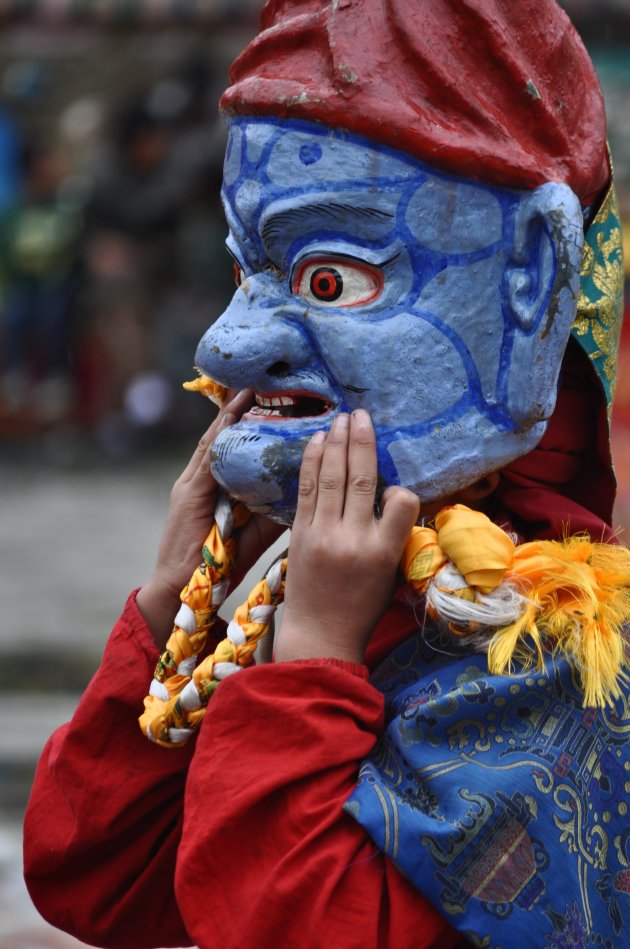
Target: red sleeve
(104,820)
(268,856)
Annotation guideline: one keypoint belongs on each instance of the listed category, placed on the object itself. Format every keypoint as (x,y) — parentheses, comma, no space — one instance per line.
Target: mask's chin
(259,463)
(261,467)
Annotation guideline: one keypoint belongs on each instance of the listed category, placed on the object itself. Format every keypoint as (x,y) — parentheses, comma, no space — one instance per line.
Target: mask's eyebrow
(283,225)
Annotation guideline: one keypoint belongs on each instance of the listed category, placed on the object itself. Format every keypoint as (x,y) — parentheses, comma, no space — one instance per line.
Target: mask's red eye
(326,284)
(238,274)
(337,282)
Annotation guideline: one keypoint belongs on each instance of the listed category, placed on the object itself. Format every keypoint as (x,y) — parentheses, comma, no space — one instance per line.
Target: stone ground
(73,543)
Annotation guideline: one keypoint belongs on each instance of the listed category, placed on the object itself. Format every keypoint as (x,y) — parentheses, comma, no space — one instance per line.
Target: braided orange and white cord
(510,600)
(180,692)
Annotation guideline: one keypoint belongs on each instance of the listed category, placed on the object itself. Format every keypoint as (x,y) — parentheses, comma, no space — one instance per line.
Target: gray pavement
(72,545)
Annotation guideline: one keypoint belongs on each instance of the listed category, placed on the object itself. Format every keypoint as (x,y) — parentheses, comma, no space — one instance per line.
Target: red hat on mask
(500,91)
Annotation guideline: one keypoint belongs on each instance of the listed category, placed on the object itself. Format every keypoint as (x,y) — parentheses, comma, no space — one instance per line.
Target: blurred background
(112,265)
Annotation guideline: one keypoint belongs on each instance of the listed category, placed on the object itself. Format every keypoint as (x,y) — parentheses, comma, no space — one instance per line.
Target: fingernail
(318,437)
(341,421)
(362,418)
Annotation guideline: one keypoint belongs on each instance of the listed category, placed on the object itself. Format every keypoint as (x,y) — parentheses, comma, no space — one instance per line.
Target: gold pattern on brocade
(600,306)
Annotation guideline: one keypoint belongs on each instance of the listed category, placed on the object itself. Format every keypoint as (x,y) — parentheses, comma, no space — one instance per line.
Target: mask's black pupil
(326,284)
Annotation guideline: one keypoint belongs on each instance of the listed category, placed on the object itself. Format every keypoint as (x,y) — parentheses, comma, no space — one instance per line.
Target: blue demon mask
(367,278)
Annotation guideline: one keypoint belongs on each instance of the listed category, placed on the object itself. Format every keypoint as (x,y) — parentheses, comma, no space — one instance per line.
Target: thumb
(400,509)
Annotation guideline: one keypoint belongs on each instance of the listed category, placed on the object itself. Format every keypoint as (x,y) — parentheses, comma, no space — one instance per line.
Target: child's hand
(342,559)
(189,519)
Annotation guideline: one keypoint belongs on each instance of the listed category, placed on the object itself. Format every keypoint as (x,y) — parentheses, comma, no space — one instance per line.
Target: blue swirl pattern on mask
(451,357)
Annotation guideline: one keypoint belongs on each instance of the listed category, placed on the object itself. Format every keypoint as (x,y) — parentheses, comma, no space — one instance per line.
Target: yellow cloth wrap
(159,716)
(422,557)
(216,567)
(156,717)
(242,655)
(481,551)
(197,594)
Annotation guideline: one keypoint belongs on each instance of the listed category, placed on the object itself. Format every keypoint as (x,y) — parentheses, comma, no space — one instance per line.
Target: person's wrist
(301,638)
(158,604)
(165,586)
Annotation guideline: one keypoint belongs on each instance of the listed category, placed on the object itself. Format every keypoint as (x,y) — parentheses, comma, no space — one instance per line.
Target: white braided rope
(158,690)
(189,697)
(448,577)
(187,666)
(221,670)
(236,633)
(274,576)
(503,606)
(177,736)
(219,592)
(180,735)
(237,636)
(261,614)
(224,516)
(185,618)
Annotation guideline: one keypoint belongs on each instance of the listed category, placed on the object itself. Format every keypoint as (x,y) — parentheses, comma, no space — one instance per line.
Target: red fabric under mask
(566,484)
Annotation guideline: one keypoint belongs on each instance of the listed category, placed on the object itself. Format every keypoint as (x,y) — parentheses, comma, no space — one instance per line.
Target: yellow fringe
(580,600)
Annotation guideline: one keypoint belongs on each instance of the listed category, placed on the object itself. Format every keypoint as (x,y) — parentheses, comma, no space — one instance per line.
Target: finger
(400,509)
(237,403)
(198,464)
(362,469)
(309,477)
(231,410)
(331,488)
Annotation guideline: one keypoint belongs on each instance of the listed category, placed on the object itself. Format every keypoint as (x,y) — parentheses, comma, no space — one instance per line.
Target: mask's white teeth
(267,401)
(264,412)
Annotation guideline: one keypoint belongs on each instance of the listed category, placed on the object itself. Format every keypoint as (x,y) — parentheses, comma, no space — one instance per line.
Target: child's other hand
(189,519)
(342,559)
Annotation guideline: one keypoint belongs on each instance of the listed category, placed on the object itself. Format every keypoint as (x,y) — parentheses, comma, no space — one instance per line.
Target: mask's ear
(542,279)
(546,253)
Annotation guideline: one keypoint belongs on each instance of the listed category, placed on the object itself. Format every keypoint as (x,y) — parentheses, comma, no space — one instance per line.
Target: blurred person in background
(10,160)
(152,239)
(39,270)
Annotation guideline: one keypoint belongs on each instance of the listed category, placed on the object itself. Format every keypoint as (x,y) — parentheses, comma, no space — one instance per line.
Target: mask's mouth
(276,406)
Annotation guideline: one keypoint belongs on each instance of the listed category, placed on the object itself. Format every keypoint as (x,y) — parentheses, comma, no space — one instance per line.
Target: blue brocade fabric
(502,799)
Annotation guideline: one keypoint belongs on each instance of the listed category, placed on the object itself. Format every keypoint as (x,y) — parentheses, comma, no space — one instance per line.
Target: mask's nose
(257,339)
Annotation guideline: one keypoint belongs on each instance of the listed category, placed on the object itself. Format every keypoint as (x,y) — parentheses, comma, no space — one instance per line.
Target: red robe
(236,840)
